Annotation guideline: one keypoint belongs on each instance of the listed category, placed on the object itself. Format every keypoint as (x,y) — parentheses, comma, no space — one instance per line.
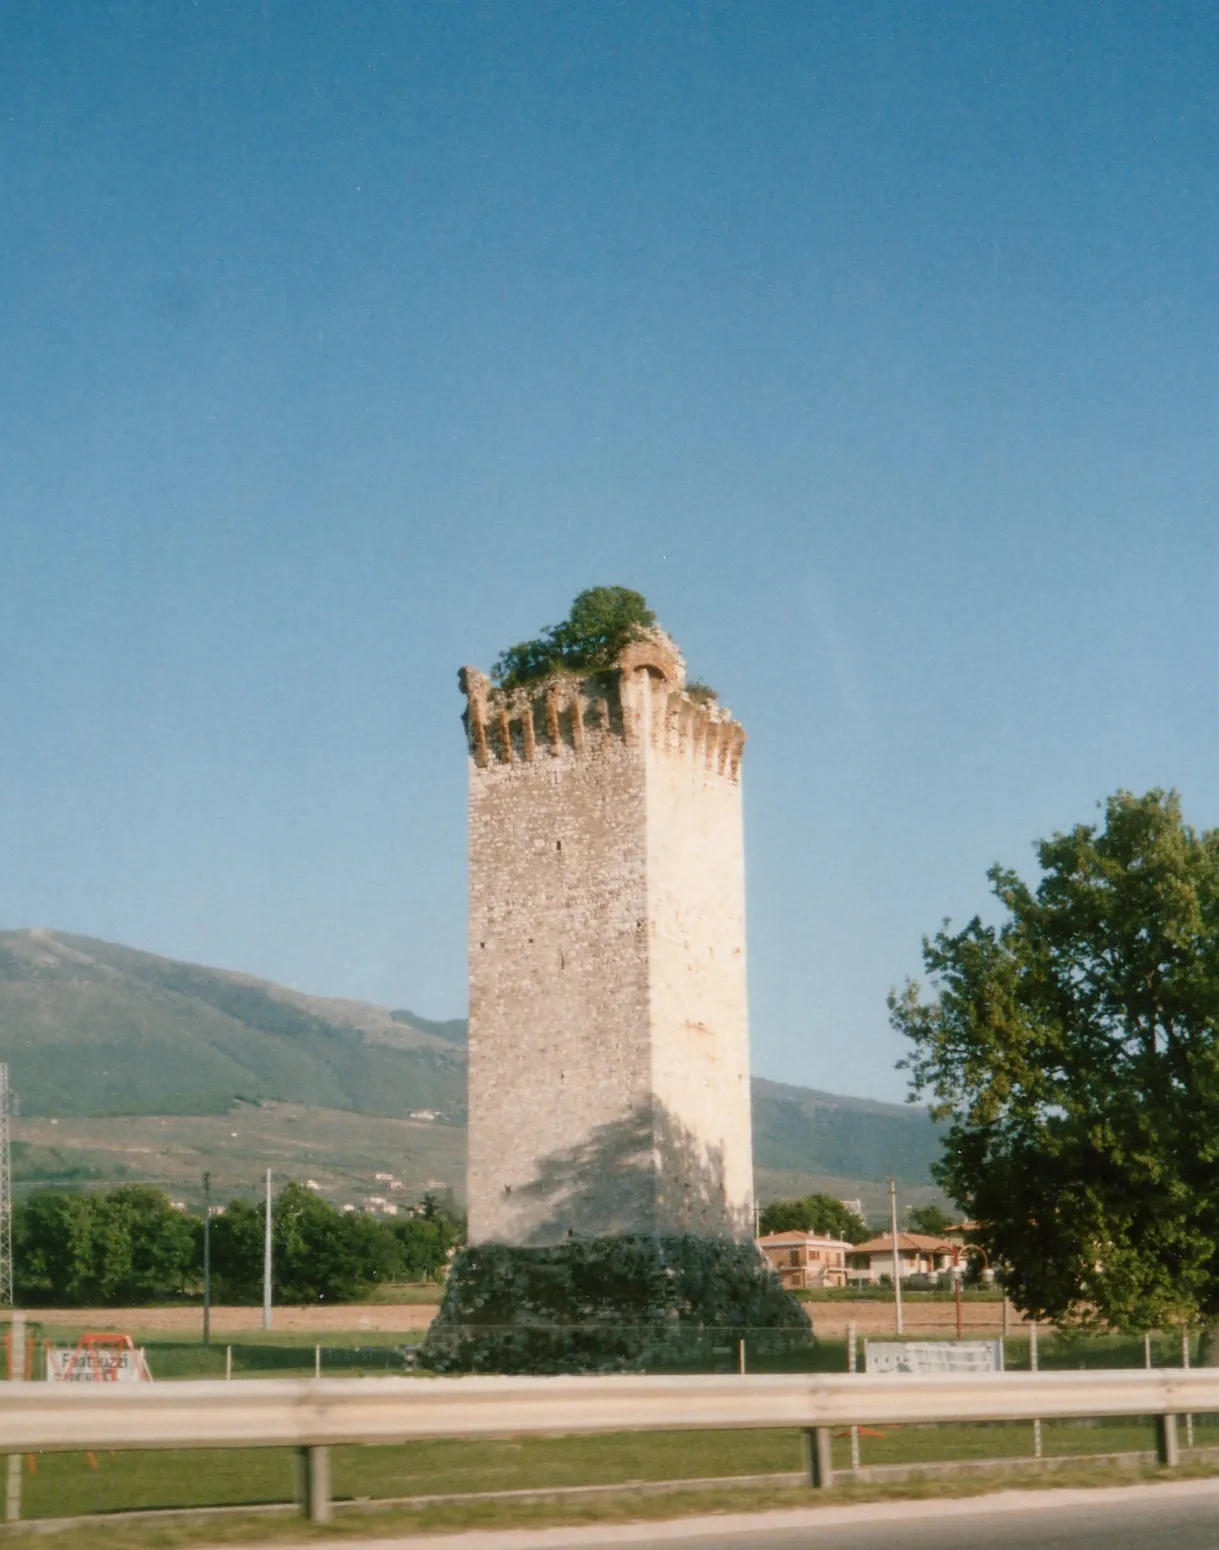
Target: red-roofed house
(804,1259)
(919,1255)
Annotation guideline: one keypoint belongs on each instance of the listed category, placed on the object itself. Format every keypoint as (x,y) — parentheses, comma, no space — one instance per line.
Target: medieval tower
(609,1044)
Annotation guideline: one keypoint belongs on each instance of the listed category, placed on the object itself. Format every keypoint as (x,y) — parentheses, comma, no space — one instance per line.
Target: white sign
(926,1357)
(66,1364)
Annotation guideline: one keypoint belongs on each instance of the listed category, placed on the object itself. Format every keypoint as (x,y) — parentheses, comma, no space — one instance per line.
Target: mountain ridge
(95,1029)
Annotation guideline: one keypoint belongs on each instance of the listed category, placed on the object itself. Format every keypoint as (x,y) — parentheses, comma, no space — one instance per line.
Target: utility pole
(6,1196)
(897,1258)
(207,1258)
(266,1262)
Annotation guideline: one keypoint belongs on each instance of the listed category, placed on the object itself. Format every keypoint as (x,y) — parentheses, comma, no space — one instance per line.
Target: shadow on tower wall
(623,1252)
(646,1173)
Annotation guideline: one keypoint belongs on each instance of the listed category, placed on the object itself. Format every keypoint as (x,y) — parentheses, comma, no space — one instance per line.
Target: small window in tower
(558,844)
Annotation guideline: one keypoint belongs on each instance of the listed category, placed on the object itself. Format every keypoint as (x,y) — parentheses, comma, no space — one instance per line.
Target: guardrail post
(818,1457)
(16,1369)
(851,1366)
(315,1483)
(12,1490)
(1167,1451)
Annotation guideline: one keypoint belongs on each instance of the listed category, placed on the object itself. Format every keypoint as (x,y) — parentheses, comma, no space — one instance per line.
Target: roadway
(1181,1515)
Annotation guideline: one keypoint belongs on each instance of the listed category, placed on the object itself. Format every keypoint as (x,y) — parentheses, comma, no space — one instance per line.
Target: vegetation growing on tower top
(601,623)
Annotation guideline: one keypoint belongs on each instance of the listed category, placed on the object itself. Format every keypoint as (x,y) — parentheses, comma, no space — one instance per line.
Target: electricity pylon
(6,1197)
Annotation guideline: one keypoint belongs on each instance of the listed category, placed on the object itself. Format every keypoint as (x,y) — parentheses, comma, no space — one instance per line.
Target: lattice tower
(6,1196)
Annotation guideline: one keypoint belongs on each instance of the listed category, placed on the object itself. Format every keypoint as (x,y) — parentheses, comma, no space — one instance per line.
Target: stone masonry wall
(558,973)
(699,1015)
(609,1085)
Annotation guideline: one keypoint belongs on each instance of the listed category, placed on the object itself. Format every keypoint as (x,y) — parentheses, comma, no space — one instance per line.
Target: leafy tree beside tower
(1073,1048)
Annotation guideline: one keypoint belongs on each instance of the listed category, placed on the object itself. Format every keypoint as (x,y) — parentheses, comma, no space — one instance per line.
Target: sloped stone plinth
(609,1305)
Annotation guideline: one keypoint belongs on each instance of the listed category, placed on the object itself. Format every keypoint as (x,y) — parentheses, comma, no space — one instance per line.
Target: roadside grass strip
(243,1528)
(59,1485)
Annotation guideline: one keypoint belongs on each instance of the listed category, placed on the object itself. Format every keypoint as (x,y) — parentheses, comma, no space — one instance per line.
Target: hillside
(801,1130)
(96,1034)
(92,1028)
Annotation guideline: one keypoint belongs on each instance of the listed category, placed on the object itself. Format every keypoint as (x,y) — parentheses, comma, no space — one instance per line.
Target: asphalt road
(1145,1525)
(1183,1515)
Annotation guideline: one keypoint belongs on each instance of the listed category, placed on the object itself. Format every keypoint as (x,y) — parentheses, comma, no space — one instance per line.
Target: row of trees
(814,1213)
(824,1214)
(130,1246)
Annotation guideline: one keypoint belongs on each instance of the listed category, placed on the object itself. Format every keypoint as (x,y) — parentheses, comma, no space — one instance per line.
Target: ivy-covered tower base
(610,1304)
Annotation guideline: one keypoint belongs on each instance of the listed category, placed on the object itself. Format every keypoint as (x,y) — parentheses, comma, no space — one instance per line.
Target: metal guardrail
(312,1415)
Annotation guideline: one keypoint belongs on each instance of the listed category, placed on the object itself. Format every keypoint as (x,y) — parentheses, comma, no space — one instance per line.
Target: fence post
(1189,1420)
(818,1457)
(1033,1367)
(1147,1349)
(317,1361)
(1167,1451)
(228,1361)
(315,1483)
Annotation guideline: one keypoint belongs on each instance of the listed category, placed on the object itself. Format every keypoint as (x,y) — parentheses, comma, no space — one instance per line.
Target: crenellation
(503,732)
(579,738)
(553,736)
(576,717)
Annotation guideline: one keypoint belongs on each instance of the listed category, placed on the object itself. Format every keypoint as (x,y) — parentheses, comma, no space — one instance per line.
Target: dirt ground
(830,1319)
(935,1320)
(391,1319)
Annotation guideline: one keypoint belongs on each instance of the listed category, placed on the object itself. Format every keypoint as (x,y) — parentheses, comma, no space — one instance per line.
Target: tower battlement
(642,698)
(609,1065)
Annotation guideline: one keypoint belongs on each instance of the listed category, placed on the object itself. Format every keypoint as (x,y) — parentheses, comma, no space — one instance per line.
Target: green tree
(318,1254)
(125,1246)
(426,1239)
(52,1249)
(814,1213)
(143,1250)
(928,1219)
(602,621)
(1073,1049)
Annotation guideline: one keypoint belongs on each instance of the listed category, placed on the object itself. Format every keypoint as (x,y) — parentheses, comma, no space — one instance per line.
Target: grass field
(69,1484)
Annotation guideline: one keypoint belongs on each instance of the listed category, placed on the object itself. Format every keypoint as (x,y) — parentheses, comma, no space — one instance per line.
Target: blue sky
(343,344)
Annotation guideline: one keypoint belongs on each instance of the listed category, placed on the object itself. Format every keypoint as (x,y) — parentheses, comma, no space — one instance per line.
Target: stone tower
(609,1044)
